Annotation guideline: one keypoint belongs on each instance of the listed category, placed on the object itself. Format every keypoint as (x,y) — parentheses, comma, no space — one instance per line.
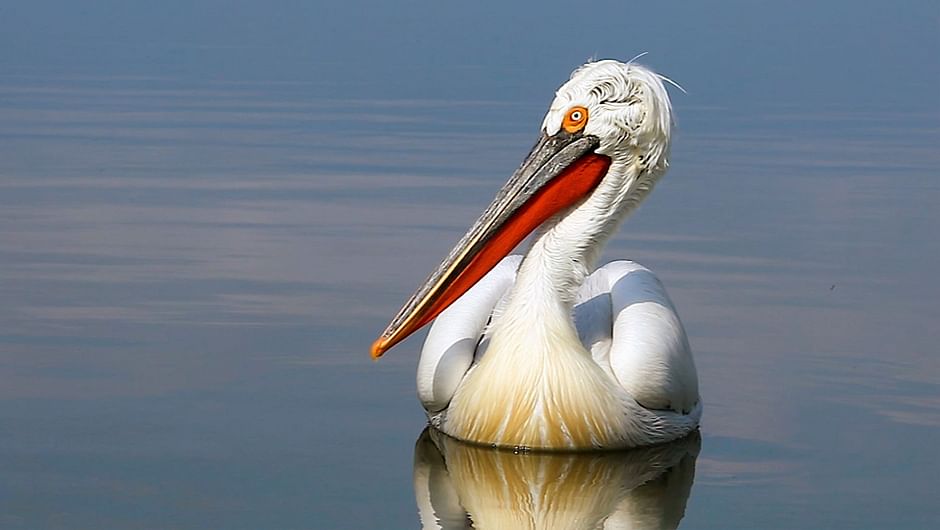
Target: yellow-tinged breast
(541,399)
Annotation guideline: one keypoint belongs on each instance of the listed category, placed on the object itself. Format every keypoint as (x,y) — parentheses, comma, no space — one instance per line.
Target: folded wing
(627,321)
(457,333)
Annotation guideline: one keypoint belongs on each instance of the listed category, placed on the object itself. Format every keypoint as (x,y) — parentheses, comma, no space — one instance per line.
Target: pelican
(542,351)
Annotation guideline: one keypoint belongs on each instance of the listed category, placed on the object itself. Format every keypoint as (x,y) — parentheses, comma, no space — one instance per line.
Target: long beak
(560,171)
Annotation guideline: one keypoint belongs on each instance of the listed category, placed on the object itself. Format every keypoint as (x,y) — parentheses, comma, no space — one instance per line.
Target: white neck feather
(565,249)
(542,387)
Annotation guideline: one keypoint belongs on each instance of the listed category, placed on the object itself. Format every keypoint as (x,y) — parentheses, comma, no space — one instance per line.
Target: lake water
(191,274)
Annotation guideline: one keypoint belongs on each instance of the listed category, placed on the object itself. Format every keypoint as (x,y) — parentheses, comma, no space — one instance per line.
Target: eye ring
(575,119)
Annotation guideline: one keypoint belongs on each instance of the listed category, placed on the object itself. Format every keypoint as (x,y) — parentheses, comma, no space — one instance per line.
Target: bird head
(624,106)
(605,139)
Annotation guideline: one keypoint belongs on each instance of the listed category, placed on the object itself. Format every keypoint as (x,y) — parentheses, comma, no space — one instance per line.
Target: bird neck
(564,252)
(537,315)
(542,387)
(566,247)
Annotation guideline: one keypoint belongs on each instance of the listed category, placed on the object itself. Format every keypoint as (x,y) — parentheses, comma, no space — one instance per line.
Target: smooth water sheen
(191,274)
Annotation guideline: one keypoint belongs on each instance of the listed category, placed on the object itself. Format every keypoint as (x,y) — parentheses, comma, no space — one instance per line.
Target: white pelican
(539,351)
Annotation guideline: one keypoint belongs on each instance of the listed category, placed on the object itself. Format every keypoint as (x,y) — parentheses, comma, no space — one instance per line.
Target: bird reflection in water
(459,486)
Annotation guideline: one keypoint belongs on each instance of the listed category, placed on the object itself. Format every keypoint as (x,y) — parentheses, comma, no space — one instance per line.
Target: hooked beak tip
(378,349)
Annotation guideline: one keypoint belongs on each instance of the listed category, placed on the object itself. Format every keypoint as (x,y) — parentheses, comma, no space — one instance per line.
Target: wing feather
(647,351)
(452,342)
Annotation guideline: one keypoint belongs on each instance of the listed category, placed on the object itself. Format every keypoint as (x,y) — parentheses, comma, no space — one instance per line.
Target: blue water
(191,276)
(208,213)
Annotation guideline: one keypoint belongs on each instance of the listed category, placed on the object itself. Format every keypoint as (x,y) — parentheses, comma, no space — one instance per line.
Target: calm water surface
(191,273)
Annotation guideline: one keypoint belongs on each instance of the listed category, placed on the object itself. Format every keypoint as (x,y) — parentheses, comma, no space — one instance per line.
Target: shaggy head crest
(628,109)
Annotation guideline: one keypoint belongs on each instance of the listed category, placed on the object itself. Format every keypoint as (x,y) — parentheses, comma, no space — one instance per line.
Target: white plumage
(545,351)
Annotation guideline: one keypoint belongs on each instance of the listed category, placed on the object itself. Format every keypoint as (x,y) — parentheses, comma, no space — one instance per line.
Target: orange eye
(575,120)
